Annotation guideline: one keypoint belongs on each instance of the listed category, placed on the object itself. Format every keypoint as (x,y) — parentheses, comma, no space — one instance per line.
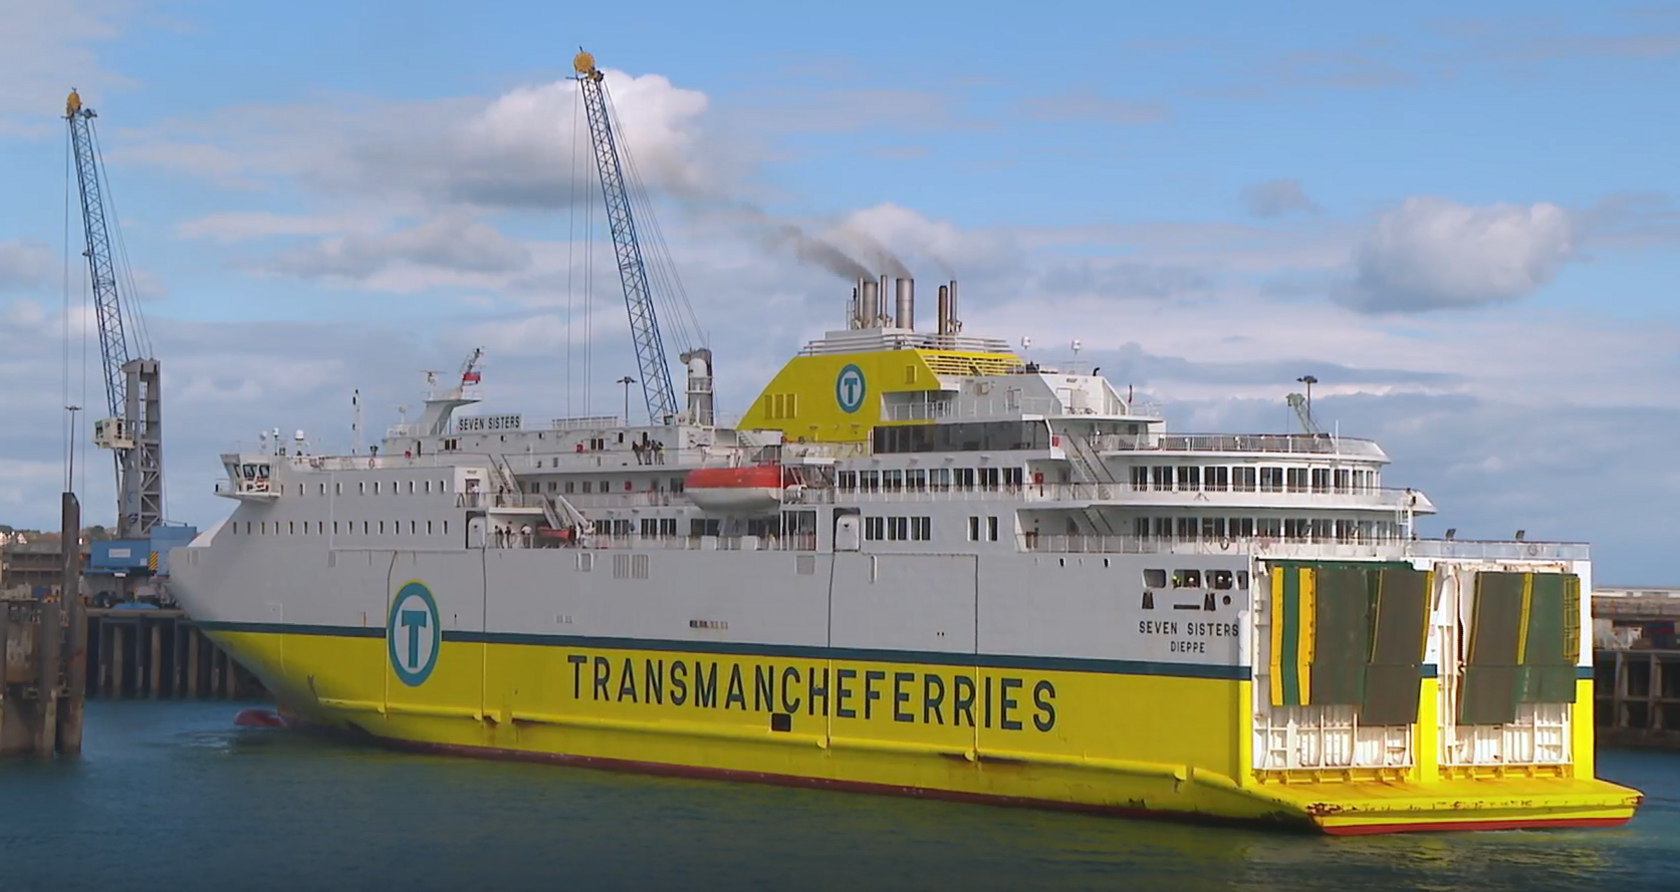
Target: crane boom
(113,340)
(134,429)
(632,271)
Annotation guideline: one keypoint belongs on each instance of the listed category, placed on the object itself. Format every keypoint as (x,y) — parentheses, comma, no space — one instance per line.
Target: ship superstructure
(920,563)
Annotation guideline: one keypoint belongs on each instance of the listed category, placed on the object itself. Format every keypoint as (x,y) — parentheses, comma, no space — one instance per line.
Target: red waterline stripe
(664,769)
(1447,826)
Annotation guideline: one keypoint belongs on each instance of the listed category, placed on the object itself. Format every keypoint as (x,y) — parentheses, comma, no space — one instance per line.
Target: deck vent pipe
(906,303)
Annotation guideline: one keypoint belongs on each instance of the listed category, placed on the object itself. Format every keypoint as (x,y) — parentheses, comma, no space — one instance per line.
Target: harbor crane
(621,188)
(133,429)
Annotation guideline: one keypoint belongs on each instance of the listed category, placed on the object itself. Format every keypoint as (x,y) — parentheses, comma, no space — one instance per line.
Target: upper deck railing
(1310,549)
(1287,444)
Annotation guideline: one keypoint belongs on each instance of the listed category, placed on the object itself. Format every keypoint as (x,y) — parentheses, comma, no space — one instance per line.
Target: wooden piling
(156,660)
(192,662)
(118,633)
(75,683)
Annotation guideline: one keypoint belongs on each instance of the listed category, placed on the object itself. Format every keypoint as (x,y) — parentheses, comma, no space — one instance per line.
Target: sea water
(172,796)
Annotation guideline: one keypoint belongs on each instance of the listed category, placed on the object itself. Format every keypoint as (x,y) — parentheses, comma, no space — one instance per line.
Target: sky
(1461,218)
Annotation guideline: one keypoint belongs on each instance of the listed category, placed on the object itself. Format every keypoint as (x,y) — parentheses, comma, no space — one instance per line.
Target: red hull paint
(1281,822)
(1451,826)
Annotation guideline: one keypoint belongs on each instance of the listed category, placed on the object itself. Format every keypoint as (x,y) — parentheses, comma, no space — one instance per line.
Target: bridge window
(1343,480)
(1219,579)
(1187,579)
(1154,579)
(988,436)
(1271,479)
(1321,479)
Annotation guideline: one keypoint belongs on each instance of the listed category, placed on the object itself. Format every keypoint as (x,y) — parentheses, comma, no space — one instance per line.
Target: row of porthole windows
(380,487)
(339,528)
(570,487)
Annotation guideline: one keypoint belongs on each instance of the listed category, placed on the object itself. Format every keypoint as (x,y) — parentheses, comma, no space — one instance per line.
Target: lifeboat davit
(755,489)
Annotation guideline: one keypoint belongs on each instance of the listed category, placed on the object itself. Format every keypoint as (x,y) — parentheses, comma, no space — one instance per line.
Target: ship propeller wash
(918,564)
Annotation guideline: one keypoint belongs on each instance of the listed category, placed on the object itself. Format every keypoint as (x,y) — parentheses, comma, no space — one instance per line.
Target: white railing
(1125,494)
(1311,549)
(587,422)
(599,541)
(1286,444)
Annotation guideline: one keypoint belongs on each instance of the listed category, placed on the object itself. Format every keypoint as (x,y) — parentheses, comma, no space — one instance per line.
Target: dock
(157,654)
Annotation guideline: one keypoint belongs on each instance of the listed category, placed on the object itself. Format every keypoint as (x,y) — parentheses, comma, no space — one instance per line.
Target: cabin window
(335,528)
(921,529)
(874,528)
(413,527)
(1140,527)
(1242,479)
(323,489)
(1219,579)
(1187,579)
(963,478)
(446,528)
(571,485)
(338,488)
(361,487)
(1242,579)
(588,486)
(892,481)
(1344,480)
(1297,479)
(989,479)
(869,481)
(939,479)
(1321,479)
(973,528)
(1216,479)
(382,528)
(411,487)
(1154,579)
(915,479)
(1189,478)
(1163,528)
(1269,526)
(1240,527)
(1213,527)
(1271,479)
(991,529)
(1140,478)
(846,481)
(1161,478)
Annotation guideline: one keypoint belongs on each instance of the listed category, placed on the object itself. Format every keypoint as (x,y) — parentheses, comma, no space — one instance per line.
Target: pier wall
(155,654)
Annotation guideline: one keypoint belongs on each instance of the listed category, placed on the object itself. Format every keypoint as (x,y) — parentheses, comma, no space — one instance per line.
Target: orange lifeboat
(756,489)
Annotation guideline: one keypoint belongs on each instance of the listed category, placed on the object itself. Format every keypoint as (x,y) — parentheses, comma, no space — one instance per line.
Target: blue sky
(1461,217)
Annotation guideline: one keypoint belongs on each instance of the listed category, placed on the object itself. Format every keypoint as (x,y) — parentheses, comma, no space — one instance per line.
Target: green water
(171,796)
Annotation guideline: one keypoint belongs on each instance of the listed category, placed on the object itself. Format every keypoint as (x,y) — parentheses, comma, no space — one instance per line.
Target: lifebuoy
(370,464)
(1225,543)
(1038,477)
(1533,550)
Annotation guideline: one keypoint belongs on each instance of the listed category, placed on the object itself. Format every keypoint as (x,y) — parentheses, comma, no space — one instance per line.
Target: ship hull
(1128,741)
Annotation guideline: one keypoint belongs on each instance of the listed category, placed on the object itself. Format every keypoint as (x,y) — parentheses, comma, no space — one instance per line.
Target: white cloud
(453,242)
(23,264)
(1275,198)
(48,48)
(1431,254)
(528,148)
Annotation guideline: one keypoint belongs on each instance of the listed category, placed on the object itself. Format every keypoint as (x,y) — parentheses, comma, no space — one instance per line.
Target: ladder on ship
(556,509)
(1091,470)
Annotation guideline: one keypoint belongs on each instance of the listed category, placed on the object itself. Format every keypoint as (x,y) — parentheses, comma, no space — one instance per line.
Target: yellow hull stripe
(1108,741)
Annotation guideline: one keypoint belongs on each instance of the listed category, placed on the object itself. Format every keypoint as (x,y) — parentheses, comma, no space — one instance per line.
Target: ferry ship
(919,564)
